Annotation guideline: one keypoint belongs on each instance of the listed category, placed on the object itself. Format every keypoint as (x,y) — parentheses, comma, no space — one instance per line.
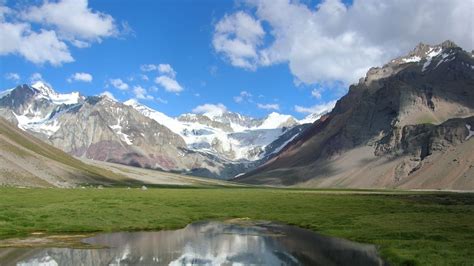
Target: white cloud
(108,94)
(237,37)
(160,100)
(148,67)
(12,76)
(144,77)
(36,77)
(316,93)
(169,84)
(119,84)
(166,69)
(269,106)
(167,77)
(39,33)
(37,47)
(210,109)
(141,93)
(73,20)
(244,96)
(80,76)
(316,109)
(338,42)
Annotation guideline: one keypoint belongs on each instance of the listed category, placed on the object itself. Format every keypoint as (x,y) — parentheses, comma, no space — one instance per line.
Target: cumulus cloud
(166,69)
(73,20)
(167,79)
(141,93)
(169,84)
(244,96)
(109,95)
(316,109)
(337,42)
(80,76)
(210,109)
(38,47)
(238,37)
(40,33)
(12,76)
(119,84)
(269,106)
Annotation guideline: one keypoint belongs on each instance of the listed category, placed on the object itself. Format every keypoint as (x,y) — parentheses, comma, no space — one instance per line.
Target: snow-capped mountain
(220,144)
(36,107)
(225,134)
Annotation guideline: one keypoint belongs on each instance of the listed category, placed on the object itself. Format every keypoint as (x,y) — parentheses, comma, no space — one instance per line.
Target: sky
(248,56)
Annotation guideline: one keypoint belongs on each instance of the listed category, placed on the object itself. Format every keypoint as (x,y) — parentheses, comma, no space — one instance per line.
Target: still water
(206,243)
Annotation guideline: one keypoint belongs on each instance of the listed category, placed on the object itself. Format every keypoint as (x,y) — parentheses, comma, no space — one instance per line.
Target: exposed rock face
(396,116)
(204,120)
(27,161)
(102,129)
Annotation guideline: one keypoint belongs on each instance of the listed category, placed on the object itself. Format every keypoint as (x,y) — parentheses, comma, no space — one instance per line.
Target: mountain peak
(448,44)
(132,102)
(46,91)
(43,88)
(425,51)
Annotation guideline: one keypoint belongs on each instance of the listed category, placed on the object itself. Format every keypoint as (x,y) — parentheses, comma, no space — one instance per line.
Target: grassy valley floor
(409,227)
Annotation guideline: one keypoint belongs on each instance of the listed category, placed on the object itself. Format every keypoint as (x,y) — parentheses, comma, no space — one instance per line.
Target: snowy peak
(159,117)
(424,56)
(276,120)
(45,90)
(425,52)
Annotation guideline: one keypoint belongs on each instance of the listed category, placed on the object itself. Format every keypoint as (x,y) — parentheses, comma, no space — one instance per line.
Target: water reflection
(205,243)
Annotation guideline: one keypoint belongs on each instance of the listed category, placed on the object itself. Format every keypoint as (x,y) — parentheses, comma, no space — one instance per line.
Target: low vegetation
(409,228)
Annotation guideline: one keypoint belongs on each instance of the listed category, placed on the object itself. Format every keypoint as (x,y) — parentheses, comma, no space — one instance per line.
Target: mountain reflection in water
(206,243)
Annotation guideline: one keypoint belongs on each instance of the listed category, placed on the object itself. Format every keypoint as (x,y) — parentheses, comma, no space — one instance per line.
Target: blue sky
(253,57)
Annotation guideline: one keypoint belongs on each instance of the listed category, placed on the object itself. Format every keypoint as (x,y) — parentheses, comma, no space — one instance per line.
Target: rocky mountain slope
(407,124)
(220,145)
(27,161)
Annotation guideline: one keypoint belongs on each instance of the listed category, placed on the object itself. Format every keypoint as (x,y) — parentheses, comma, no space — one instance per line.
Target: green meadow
(411,228)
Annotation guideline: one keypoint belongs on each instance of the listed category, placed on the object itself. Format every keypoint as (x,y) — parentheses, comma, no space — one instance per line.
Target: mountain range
(218,144)
(406,124)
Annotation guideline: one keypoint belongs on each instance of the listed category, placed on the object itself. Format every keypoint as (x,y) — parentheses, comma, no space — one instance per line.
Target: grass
(409,228)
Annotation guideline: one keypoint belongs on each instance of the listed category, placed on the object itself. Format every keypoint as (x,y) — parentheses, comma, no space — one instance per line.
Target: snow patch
(471,132)
(118,130)
(5,93)
(43,261)
(411,59)
(274,120)
(429,56)
(36,122)
(45,91)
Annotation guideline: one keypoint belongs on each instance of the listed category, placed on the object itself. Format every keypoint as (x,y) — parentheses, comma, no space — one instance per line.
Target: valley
(423,228)
(238,132)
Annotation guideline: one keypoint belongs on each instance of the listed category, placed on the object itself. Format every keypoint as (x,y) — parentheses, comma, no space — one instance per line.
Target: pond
(205,243)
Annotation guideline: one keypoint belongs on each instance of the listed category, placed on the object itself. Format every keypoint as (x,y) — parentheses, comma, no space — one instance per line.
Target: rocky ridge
(382,133)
